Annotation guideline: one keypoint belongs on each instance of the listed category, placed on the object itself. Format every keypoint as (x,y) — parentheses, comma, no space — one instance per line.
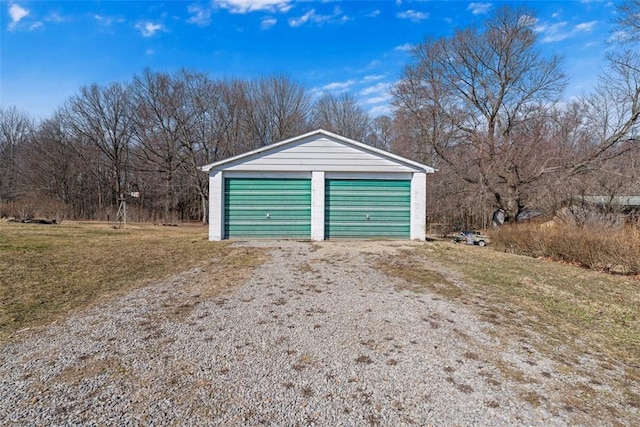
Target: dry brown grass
(582,320)
(50,270)
(563,301)
(417,276)
(609,249)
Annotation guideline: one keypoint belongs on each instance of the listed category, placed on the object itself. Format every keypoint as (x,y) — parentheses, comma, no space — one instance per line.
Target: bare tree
(16,128)
(60,170)
(381,133)
(101,116)
(611,113)
(199,137)
(279,108)
(409,136)
(341,114)
(160,122)
(476,95)
(232,119)
(628,20)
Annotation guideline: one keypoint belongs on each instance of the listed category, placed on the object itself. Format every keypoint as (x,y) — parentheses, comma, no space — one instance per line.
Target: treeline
(150,136)
(484,106)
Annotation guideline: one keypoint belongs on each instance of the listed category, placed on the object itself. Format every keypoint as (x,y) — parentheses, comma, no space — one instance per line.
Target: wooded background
(483,106)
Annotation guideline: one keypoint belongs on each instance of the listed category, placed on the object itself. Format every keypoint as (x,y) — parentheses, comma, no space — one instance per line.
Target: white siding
(318,153)
(317,206)
(216,206)
(418,206)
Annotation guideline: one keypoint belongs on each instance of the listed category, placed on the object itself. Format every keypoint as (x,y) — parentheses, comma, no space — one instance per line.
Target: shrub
(609,249)
(34,208)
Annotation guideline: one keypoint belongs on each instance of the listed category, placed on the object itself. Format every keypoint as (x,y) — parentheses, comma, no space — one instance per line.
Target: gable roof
(291,142)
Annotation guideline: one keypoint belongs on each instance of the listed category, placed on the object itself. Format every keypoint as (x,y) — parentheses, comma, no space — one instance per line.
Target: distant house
(620,203)
(616,209)
(317,186)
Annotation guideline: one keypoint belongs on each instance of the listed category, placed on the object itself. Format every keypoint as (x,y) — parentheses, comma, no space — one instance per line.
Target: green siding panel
(267,208)
(365,208)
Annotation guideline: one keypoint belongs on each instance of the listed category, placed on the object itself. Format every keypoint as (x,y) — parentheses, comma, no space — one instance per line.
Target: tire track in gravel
(315,337)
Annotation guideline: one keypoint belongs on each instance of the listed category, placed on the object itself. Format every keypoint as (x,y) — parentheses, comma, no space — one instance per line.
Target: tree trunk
(513,203)
(205,210)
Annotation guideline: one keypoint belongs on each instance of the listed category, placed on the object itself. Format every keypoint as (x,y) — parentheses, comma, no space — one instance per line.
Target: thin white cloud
(56,18)
(200,15)
(586,26)
(404,47)
(268,23)
(552,32)
(373,13)
(338,85)
(297,22)
(148,29)
(246,6)
(413,15)
(16,13)
(561,30)
(377,89)
(380,110)
(376,94)
(479,8)
(311,17)
(373,77)
(107,21)
(373,64)
(377,99)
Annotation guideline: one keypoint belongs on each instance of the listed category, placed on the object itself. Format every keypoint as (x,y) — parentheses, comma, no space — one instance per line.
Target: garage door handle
(368,216)
(268,216)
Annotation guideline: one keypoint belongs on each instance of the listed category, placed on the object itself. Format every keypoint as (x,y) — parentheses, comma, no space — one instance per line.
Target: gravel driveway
(315,337)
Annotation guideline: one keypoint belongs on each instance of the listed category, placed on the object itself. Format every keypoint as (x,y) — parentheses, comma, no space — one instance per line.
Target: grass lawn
(586,322)
(46,271)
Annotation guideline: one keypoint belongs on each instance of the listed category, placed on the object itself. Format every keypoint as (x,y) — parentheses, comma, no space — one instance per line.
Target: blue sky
(49,49)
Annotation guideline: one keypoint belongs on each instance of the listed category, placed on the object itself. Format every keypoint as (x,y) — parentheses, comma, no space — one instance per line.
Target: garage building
(317,186)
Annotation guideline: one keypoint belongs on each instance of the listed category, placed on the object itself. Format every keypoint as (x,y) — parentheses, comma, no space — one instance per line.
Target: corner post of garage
(418,206)
(317,206)
(216,213)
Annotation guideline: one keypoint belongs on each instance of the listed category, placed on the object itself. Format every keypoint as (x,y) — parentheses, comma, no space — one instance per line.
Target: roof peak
(330,135)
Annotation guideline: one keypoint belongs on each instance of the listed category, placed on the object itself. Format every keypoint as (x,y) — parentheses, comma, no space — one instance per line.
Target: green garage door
(365,208)
(267,208)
